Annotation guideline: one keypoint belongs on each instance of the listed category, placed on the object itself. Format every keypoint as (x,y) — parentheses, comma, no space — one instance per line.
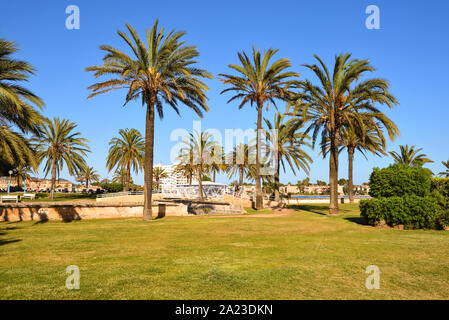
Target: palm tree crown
(87,175)
(445,174)
(17,108)
(410,156)
(128,152)
(60,144)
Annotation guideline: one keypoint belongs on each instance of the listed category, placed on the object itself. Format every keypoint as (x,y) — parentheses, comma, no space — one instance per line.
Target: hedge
(112,187)
(400,180)
(411,211)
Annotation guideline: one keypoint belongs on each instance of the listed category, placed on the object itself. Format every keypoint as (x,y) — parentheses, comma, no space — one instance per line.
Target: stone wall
(41,211)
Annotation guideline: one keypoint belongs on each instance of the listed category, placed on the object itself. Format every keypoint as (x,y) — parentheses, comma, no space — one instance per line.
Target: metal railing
(120,194)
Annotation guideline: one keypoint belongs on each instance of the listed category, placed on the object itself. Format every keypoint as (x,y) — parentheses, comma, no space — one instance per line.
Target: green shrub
(400,180)
(443,219)
(411,211)
(112,187)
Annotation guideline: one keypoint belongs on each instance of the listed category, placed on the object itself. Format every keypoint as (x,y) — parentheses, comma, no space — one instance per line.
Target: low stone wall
(198,207)
(310,201)
(42,211)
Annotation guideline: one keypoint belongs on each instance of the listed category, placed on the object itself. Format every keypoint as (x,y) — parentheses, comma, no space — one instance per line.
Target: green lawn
(301,255)
(45,197)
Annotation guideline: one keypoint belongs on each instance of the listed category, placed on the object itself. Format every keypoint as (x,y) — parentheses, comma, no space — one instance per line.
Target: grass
(45,197)
(302,255)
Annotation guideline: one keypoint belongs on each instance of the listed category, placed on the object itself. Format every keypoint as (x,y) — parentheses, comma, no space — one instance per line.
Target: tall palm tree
(128,152)
(60,144)
(201,146)
(337,103)
(240,161)
(159,72)
(87,175)
(445,174)
(260,84)
(17,108)
(410,156)
(289,143)
(121,176)
(159,174)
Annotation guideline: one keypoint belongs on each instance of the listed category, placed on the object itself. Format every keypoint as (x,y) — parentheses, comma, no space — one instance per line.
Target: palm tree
(160,72)
(362,139)
(218,162)
(410,156)
(289,140)
(259,84)
(240,161)
(17,108)
(121,176)
(128,152)
(201,146)
(159,174)
(87,175)
(445,174)
(59,144)
(337,103)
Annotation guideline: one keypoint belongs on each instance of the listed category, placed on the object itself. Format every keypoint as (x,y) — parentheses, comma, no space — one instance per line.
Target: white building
(173,179)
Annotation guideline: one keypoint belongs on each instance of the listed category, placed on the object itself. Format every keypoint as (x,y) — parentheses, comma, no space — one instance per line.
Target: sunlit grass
(302,255)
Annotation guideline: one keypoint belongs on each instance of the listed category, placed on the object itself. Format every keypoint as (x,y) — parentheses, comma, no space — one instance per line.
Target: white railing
(120,194)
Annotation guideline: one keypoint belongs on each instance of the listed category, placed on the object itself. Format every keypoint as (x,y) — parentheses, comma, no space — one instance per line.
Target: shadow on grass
(3,233)
(359,220)
(5,242)
(321,210)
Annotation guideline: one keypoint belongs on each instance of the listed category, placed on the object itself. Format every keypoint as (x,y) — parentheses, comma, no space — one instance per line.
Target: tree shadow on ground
(3,233)
(359,220)
(321,210)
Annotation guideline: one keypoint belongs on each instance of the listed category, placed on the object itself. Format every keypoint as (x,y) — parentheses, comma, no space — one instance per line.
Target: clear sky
(411,50)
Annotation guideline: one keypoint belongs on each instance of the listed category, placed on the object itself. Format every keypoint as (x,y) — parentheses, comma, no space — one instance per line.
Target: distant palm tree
(159,72)
(16,109)
(218,162)
(22,172)
(240,161)
(201,146)
(121,176)
(337,103)
(259,84)
(185,166)
(128,152)
(59,144)
(87,175)
(289,143)
(445,174)
(410,156)
(159,174)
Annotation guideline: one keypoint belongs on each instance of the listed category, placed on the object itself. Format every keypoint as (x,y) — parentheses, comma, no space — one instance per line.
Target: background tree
(445,174)
(121,176)
(259,83)
(337,103)
(289,143)
(159,72)
(409,156)
(60,144)
(239,162)
(87,175)
(201,146)
(126,152)
(17,110)
(159,174)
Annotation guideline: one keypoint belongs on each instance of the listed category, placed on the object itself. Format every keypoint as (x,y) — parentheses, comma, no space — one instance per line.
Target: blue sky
(410,50)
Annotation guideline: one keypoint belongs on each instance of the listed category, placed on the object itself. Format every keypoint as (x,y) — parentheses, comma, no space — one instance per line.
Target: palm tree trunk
(350,174)
(276,181)
(87,183)
(241,177)
(53,181)
(333,177)
(128,177)
(213,176)
(148,166)
(259,196)
(200,183)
